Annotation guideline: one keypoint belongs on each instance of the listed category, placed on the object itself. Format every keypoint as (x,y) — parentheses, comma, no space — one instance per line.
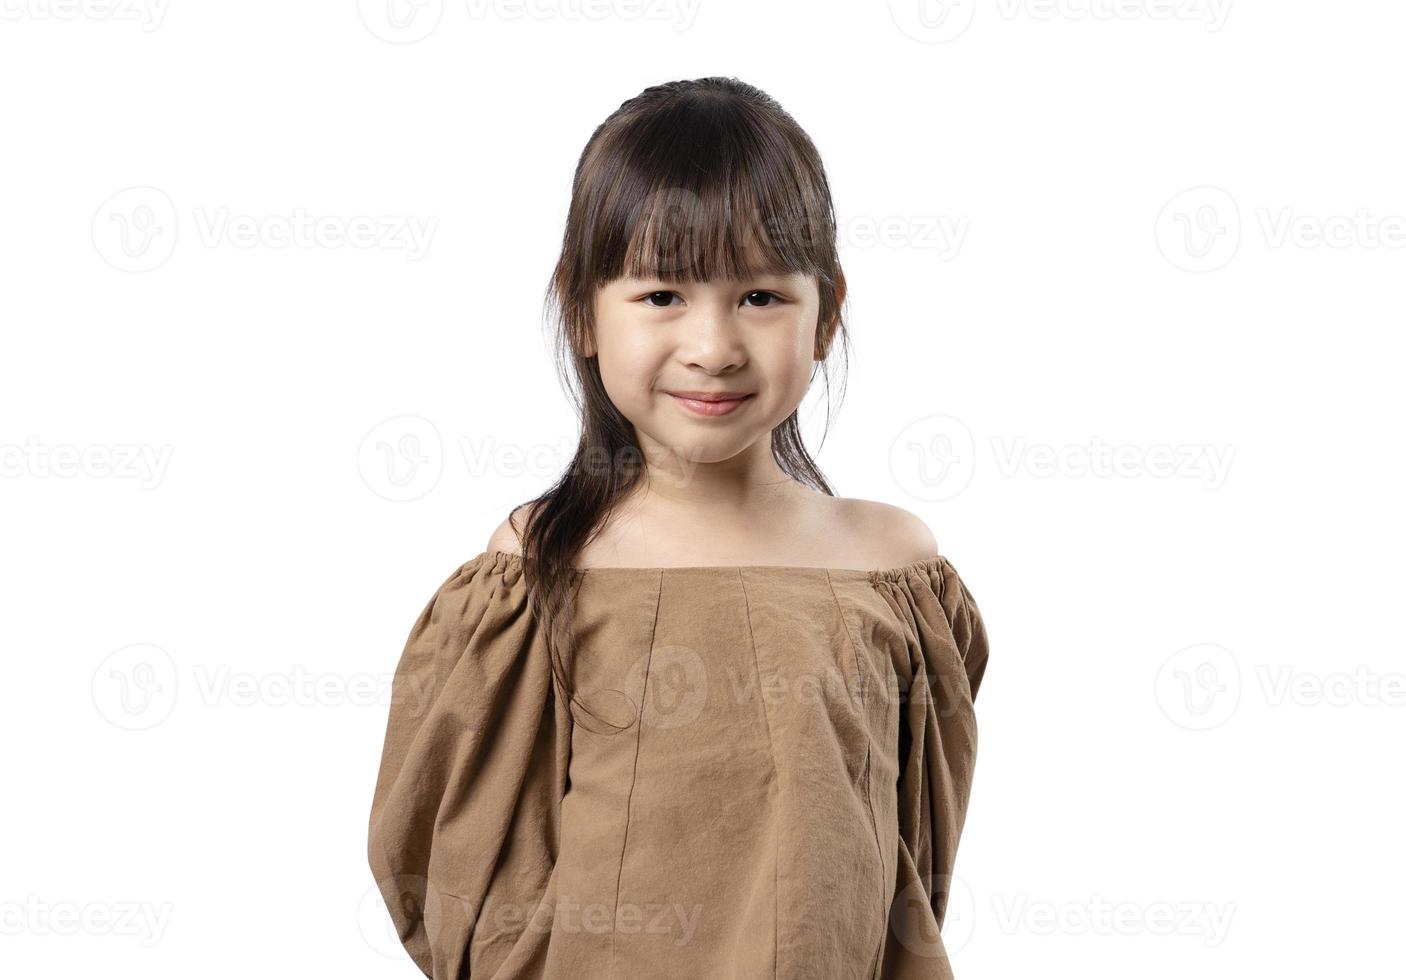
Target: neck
(751,479)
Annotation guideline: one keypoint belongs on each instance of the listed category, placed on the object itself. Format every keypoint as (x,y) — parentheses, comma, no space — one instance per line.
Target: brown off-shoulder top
(764,772)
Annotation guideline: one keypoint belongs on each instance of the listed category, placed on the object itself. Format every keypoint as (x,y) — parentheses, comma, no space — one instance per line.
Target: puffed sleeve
(464,825)
(939,674)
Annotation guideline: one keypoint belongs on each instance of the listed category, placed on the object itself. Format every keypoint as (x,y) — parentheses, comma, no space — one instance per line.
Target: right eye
(664,295)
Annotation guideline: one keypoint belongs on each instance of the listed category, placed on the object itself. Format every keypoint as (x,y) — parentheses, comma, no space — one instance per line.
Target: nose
(711,340)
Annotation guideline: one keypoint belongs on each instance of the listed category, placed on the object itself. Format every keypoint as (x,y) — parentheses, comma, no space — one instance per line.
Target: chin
(705,451)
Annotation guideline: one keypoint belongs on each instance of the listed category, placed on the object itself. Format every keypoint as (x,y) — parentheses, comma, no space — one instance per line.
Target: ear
(825,332)
(587,347)
(581,335)
(583,330)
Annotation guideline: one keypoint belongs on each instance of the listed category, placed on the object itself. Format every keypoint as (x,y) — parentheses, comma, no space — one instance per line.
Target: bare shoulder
(891,534)
(505,536)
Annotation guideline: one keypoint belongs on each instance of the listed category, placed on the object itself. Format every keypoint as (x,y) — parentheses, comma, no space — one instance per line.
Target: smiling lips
(710,403)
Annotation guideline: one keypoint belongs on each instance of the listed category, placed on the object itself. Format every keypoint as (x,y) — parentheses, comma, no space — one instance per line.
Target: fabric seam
(874,826)
(849,638)
(868,752)
(776,776)
(634,769)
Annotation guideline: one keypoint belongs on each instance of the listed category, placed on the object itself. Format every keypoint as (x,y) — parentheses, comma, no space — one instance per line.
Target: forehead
(748,265)
(702,243)
(675,279)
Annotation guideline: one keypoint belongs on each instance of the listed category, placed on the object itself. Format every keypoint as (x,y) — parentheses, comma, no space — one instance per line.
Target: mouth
(708,403)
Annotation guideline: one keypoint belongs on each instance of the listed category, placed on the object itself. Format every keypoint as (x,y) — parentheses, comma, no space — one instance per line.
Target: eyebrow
(683,282)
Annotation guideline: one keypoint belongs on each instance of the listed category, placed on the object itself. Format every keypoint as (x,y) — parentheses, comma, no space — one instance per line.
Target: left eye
(665,297)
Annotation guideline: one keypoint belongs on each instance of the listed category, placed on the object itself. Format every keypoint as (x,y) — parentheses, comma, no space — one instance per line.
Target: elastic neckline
(890,574)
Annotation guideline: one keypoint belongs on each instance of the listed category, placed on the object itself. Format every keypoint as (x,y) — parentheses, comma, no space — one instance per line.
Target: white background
(1170,232)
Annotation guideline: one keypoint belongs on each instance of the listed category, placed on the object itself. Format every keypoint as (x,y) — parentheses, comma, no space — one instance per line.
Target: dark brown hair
(688,181)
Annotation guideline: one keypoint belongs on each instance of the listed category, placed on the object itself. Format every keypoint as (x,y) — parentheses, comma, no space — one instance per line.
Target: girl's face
(751,340)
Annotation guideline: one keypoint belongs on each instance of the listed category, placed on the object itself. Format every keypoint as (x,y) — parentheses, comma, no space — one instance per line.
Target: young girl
(688,715)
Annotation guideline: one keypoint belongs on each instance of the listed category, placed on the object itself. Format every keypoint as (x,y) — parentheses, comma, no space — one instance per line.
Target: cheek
(788,355)
(629,362)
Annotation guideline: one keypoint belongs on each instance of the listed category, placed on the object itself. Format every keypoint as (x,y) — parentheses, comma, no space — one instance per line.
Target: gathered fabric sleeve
(939,674)
(465,817)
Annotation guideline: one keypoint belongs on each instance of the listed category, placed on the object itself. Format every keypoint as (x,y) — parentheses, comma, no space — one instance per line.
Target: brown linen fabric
(774,786)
